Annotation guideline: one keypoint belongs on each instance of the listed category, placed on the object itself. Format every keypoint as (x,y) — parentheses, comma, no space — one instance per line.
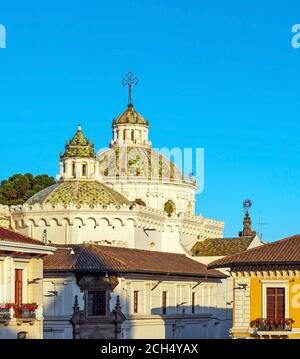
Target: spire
(247,229)
(129,80)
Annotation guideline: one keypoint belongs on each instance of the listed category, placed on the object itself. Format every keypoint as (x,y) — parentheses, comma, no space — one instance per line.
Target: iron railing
(266,324)
(4,314)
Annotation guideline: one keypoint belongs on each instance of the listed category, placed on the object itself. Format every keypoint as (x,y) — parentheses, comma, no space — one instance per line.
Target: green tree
(18,188)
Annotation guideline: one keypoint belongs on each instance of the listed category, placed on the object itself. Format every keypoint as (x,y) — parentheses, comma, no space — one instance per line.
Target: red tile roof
(283,252)
(92,257)
(12,236)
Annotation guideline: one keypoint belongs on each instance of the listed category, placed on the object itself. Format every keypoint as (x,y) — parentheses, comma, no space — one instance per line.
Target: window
(164,302)
(169,207)
(73,169)
(18,286)
(193,302)
(96,303)
(124,135)
(135,301)
(84,170)
(275,303)
(132,135)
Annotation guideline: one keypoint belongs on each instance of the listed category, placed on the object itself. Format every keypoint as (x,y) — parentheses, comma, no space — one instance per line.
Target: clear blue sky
(215,74)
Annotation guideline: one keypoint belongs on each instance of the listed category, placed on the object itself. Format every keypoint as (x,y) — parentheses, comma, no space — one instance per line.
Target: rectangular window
(275,303)
(164,302)
(193,302)
(135,301)
(73,169)
(96,303)
(18,286)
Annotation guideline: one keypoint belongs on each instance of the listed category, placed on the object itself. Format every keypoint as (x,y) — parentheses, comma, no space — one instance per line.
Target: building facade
(161,295)
(266,290)
(21,285)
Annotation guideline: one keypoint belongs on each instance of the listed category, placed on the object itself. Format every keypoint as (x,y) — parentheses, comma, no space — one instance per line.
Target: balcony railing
(265,324)
(5,315)
(26,312)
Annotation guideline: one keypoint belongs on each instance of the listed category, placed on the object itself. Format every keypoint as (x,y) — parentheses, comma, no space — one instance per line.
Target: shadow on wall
(181,323)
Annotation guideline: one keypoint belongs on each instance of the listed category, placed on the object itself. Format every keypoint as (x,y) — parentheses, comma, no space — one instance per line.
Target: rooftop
(12,236)
(92,257)
(130,116)
(212,247)
(79,193)
(283,252)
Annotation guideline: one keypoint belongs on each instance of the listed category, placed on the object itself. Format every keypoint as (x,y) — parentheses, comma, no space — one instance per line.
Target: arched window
(132,135)
(169,207)
(124,135)
(84,169)
(73,169)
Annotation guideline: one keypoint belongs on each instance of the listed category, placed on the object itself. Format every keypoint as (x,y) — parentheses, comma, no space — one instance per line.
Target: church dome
(90,193)
(130,116)
(138,162)
(79,146)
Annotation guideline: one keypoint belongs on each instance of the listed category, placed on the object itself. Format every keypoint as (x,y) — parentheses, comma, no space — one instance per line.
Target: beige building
(21,285)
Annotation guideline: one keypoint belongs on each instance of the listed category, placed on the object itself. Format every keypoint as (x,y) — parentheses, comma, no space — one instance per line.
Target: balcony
(272,325)
(5,314)
(24,313)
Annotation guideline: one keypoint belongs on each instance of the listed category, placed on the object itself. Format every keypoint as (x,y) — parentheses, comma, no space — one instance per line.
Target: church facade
(124,224)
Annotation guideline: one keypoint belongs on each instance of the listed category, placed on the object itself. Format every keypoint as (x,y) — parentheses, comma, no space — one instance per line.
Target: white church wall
(210,319)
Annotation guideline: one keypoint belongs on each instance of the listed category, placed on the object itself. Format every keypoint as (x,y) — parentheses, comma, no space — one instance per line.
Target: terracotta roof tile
(12,236)
(283,252)
(221,246)
(92,257)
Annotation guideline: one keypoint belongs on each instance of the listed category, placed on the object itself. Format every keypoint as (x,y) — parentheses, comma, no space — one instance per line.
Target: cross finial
(129,80)
(247,204)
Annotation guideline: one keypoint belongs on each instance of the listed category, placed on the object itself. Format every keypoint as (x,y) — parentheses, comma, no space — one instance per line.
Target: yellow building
(266,290)
(21,285)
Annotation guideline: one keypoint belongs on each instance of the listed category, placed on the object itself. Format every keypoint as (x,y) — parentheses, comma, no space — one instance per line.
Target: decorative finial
(79,127)
(247,204)
(129,80)
(247,230)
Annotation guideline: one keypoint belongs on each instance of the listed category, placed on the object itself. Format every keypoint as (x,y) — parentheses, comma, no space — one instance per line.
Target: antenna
(260,224)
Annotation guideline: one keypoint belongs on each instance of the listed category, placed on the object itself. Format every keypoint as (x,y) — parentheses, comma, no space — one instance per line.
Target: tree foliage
(18,188)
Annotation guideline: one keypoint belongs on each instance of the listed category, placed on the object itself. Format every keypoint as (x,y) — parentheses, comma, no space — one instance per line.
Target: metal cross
(129,80)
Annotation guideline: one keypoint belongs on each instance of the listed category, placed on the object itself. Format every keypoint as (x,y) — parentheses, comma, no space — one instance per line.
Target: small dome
(79,146)
(90,193)
(130,116)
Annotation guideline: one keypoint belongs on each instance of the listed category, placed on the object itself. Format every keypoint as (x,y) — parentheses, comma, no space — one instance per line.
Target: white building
(128,197)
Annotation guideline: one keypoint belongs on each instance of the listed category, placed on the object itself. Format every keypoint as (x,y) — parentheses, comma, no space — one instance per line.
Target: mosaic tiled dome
(138,162)
(130,116)
(90,193)
(79,146)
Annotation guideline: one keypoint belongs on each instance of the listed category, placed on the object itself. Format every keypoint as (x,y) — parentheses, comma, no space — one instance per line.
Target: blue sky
(213,74)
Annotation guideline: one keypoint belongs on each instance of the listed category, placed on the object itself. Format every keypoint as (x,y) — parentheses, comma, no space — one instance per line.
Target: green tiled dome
(130,116)
(90,193)
(79,146)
